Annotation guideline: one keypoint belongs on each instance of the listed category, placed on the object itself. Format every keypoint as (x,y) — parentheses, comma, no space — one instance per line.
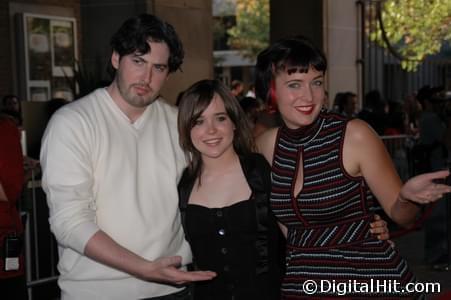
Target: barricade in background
(41,254)
(399,147)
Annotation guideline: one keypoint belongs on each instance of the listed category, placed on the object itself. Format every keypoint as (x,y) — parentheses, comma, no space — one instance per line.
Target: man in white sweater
(111,162)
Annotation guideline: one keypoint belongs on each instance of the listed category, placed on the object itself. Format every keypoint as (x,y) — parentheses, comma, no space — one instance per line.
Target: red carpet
(443,296)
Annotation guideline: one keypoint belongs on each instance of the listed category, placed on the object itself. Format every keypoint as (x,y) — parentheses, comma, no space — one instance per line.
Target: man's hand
(166,270)
(379,228)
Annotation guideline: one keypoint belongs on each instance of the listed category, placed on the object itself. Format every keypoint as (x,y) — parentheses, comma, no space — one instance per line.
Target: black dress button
(224,250)
(219,213)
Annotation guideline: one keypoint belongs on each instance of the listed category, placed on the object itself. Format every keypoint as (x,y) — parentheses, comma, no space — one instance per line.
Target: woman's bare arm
(364,154)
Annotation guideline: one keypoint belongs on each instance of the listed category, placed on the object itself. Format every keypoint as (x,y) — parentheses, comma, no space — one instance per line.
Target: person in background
(412,108)
(396,119)
(254,111)
(431,155)
(12,264)
(432,128)
(237,89)
(337,102)
(251,91)
(12,107)
(349,106)
(374,111)
(346,104)
(111,162)
(325,169)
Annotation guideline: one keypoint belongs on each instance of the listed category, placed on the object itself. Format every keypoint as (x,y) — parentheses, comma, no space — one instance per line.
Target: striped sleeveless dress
(328,239)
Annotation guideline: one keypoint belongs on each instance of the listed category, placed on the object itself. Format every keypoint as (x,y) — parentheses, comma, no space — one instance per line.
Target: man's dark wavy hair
(135,32)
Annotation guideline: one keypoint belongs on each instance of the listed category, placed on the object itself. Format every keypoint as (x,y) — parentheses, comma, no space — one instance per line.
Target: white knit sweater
(102,172)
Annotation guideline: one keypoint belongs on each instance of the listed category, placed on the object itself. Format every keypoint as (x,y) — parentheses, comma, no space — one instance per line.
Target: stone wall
(192,19)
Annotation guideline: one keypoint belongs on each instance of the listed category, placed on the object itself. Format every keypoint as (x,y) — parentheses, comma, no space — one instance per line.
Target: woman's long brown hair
(194,101)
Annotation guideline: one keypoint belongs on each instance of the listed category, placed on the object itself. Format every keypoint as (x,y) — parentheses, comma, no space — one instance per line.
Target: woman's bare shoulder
(358,131)
(265,143)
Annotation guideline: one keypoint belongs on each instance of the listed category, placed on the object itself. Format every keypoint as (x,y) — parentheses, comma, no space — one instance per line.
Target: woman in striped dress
(325,169)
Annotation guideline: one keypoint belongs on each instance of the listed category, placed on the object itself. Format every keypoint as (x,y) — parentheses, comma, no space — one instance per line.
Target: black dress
(240,242)
(223,241)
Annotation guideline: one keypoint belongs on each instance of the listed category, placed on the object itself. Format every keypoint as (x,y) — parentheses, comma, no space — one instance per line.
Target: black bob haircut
(292,54)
